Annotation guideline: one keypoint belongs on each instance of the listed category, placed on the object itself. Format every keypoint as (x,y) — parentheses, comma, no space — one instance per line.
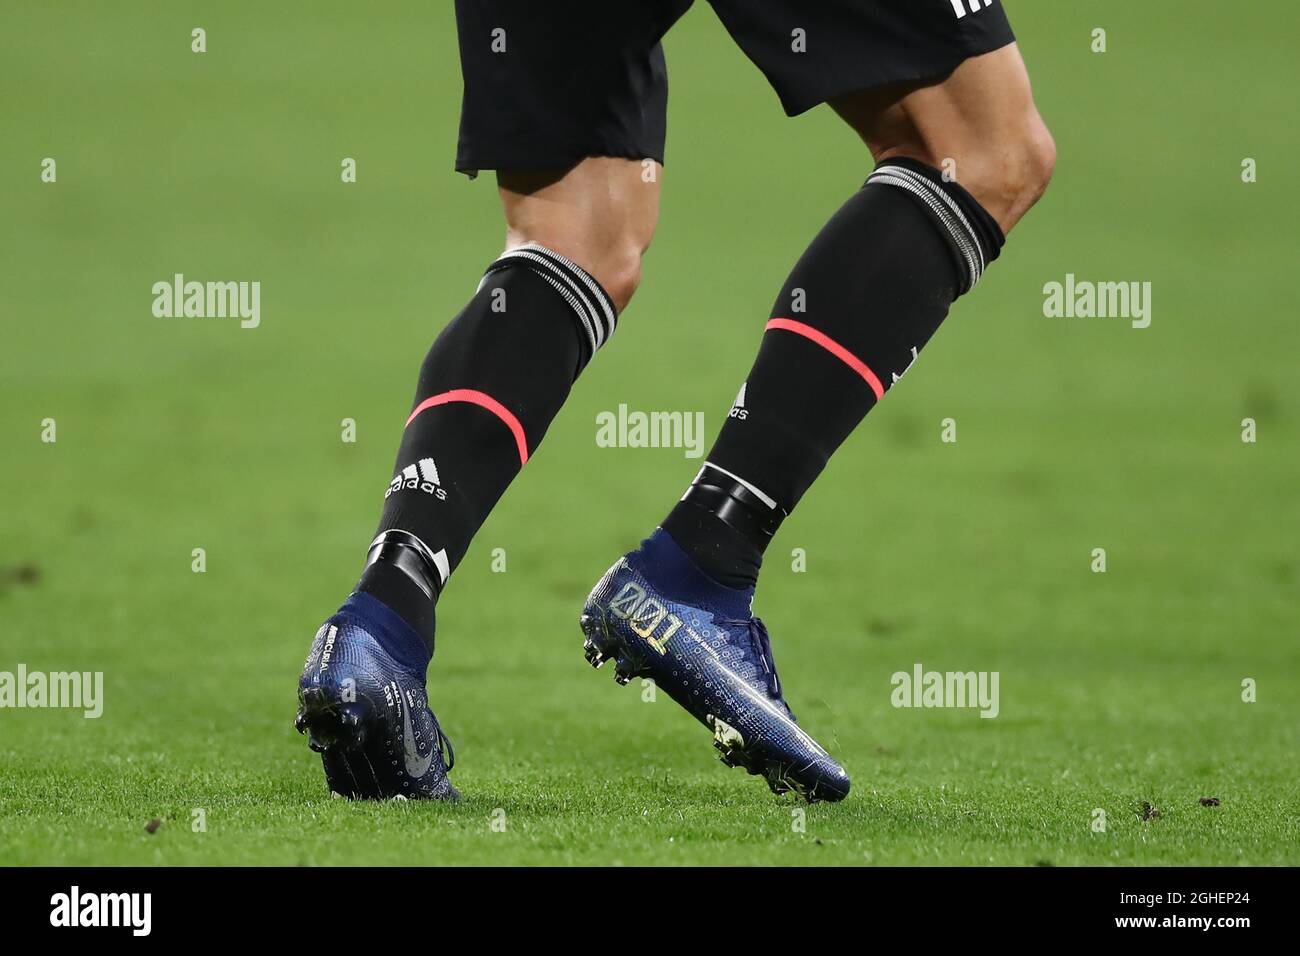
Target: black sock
(860,304)
(491,384)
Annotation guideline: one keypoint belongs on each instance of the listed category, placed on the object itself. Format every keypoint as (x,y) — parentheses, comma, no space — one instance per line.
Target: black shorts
(551,82)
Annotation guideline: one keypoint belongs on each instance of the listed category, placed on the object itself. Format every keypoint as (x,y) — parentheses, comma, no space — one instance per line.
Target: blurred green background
(173,434)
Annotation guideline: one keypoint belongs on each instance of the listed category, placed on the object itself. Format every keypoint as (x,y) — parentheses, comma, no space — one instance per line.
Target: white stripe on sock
(952,206)
(770,502)
(597,291)
(927,196)
(576,297)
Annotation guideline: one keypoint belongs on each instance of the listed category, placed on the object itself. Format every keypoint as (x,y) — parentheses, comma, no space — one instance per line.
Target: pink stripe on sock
(483,400)
(830,345)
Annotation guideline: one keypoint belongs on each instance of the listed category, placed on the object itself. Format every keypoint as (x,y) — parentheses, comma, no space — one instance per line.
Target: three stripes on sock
(489,387)
(871,290)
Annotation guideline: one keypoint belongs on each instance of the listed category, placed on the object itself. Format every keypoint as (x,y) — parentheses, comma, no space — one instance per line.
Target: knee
(618,268)
(610,252)
(615,247)
(1034,162)
(601,214)
(1013,171)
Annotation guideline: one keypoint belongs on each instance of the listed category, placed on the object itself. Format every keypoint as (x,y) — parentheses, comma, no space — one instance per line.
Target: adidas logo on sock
(423,475)
(738,410)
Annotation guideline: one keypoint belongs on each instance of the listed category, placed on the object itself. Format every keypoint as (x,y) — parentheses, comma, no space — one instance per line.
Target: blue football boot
(362,701)
(658,616)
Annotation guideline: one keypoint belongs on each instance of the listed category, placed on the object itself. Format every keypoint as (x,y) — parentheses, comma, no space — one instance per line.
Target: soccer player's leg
(979,127)
(489,387)
(861,303)
(547,87)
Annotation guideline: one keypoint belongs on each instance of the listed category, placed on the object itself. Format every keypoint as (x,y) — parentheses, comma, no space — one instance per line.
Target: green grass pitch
(1117,689)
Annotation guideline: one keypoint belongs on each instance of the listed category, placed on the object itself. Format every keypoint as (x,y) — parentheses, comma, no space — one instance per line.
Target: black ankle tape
(974,237)
(428,571)
(591,304)
(734,505)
